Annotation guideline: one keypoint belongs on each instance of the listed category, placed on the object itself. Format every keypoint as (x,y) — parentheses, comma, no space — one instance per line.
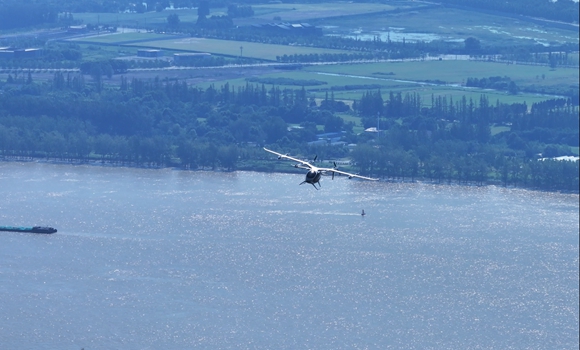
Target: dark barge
(33,229)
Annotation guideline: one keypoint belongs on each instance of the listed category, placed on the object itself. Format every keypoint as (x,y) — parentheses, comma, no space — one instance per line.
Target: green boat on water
(33,229)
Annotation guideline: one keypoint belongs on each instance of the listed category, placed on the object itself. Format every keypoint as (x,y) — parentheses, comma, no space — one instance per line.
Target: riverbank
(274,166)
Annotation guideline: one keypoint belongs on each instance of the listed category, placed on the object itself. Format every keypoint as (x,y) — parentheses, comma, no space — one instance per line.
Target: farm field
(327,82)
(412,20)
(448,71)
(439,23)
(403,76)
(213,46)
(232,48)
(457,71)
(335,83)
(294,12)
(120,37)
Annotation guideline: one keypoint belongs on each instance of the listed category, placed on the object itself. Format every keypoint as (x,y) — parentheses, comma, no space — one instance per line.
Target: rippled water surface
(165,259)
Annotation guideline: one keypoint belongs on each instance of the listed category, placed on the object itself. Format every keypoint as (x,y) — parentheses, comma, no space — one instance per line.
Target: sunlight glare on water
(177,259)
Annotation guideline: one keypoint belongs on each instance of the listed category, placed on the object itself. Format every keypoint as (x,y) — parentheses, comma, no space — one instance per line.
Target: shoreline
(117,164)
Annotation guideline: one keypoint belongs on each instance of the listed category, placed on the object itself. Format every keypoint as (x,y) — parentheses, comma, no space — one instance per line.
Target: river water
(169,259)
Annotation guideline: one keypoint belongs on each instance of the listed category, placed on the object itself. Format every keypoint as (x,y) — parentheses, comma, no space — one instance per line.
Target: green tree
(472,45)
(333,124)
(173,20)
(203,9)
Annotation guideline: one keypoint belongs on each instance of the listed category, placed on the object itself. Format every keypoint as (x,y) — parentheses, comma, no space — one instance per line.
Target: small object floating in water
(33,229)
(363,213)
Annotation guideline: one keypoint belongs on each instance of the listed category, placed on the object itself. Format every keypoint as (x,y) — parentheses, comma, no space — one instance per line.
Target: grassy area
(120,37)
(457,71)
(407,75)
(100,52)
(362,75)
(347,117)
(303,75)
(497,129)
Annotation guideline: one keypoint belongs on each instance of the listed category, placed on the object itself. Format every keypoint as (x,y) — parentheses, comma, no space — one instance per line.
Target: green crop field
(455,93)
(456,71)
(335,84)
(213,46)
(317,90)
(232,48)
(102,52)
(451,72)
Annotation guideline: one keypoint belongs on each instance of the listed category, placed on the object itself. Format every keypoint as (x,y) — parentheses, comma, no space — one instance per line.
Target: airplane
(315,173)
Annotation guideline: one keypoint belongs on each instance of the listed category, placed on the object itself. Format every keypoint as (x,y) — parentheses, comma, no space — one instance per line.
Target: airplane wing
(331,170)
(283,156)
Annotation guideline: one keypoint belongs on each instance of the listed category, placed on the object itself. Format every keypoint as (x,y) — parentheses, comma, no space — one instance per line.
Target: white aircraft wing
(331,170)
(283,156)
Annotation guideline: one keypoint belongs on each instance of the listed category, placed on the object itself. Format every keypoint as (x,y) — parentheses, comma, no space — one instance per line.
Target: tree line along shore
(170,123)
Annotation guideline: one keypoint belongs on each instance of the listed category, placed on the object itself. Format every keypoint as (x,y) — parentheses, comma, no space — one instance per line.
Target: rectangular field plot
(350,87)
(300,12)
(450,93)
(120,37)
(456,72)
(316,84)
(232,48)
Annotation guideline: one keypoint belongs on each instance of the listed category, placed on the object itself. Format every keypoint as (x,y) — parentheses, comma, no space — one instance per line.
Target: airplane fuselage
(313,176)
